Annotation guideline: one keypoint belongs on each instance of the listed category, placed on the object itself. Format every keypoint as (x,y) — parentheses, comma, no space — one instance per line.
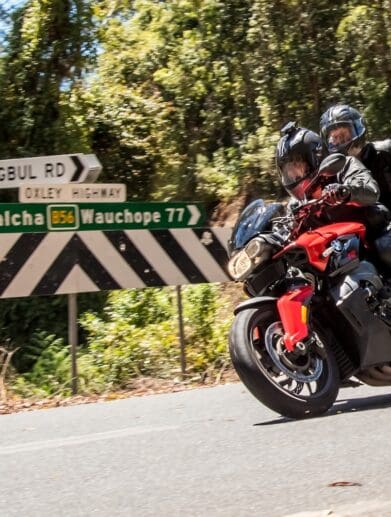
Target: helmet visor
(340,137)
(294,171)
(296,177)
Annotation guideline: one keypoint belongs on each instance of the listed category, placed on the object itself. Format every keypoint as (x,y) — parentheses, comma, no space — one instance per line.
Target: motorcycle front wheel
(295,385)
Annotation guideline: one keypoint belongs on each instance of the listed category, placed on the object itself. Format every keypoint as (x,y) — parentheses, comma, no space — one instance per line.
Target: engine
(358,291)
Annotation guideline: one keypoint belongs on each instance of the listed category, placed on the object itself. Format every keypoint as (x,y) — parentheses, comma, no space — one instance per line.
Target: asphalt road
(205,452)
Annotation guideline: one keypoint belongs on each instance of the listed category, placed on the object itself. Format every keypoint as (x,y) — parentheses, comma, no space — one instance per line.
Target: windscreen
(255,219)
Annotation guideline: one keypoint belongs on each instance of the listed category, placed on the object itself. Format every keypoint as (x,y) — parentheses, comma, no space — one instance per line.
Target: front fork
(293,308)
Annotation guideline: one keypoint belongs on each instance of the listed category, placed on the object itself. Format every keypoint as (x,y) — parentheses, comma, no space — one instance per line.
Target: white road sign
(63,168)
(77,193)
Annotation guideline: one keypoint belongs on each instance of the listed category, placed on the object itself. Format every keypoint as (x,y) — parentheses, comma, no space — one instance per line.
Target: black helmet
(298,156)
(342,116)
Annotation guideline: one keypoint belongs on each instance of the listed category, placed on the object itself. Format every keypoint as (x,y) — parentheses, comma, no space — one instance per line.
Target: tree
(364,48)
(48,49)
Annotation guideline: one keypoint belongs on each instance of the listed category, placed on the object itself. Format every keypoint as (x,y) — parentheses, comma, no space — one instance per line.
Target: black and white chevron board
(85,261)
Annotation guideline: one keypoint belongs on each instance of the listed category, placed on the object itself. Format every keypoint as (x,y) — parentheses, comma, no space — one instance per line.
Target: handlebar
(302,212)
(318,201)
(323,200)
(293,223)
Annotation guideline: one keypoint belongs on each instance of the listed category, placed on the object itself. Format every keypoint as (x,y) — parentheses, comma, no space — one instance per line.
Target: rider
(299,157)
(343,130)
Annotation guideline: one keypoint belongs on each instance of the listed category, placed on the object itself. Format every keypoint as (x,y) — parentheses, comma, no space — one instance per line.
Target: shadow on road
(343,406)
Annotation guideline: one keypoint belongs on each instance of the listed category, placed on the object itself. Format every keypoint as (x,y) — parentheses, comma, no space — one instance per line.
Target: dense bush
(25,324)
(50,374)
(136,335)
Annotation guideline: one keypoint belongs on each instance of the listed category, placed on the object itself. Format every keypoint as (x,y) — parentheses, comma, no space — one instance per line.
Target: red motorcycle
(318,314)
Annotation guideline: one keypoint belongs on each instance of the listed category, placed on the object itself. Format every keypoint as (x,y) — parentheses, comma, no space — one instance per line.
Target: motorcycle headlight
(246,260)
(240,265)
(254,248)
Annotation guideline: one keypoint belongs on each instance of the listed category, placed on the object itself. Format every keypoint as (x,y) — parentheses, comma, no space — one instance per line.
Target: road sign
(77,193)
(75,262)
(33,218)
(63,168)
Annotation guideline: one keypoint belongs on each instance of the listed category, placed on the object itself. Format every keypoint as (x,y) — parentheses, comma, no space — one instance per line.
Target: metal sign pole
(181,331)
(72,338)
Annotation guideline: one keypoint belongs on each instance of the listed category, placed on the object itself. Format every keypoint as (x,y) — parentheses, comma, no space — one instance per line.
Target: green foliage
(139,307)
(119,351)
(176,100)
(207,327)
(181,99)
(48,48)
(364,41)
(51,371)
(184,99)
(24,323)
(200,311)
(136,335)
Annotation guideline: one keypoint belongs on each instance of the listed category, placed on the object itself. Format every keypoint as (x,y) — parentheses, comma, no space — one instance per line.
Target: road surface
(205,452)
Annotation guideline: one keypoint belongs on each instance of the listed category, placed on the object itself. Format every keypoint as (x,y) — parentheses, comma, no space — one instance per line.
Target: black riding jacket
(362,205)
(363,188)
(376,156)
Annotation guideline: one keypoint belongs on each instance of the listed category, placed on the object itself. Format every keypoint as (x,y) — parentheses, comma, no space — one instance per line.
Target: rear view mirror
(332,164)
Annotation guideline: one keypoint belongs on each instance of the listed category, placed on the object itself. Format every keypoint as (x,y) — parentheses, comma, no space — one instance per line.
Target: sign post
(56,169)
(73,338)
(182,344)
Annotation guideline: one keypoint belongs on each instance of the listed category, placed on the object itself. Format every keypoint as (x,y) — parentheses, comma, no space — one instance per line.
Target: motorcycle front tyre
(248,365)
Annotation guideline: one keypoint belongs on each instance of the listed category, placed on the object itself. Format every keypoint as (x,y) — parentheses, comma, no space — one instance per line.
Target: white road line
(80,440)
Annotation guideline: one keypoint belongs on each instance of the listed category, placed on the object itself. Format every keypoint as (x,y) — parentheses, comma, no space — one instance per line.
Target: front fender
(254,302)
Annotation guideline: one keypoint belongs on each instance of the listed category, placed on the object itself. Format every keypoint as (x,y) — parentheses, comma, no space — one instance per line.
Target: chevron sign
(74,262)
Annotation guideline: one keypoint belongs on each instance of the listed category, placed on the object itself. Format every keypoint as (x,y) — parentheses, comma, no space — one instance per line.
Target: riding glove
(335,193)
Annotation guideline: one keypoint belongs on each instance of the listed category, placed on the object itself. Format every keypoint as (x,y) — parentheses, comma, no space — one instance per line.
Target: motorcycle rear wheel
(307,390)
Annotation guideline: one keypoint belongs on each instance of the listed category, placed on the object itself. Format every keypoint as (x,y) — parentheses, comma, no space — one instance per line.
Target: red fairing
(316,241)
(293,310)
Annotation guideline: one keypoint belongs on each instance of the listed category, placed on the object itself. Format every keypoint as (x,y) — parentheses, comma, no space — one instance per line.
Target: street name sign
(63,168)
(73,193)
(33,218)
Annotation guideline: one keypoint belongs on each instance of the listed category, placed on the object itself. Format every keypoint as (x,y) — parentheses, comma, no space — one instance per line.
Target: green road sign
(22,218)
